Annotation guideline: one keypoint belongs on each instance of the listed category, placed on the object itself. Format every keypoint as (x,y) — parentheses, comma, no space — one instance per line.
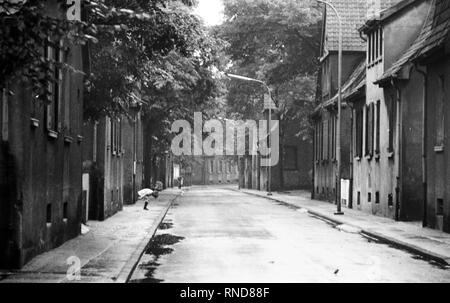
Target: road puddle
(158,246)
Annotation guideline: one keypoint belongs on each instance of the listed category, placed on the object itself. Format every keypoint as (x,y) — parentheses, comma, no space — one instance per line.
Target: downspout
(352,144)
(424,145)
(313,192)
(398,151)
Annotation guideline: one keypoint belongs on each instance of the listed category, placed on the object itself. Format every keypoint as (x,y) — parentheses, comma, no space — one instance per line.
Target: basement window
(49,214)
(65,211)
(390,200)
(440,207)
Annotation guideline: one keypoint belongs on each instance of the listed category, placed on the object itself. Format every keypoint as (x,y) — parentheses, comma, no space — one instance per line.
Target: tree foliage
(155,53)
(276,41)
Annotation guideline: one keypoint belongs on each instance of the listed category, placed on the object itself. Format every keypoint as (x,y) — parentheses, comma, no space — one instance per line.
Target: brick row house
(58,169)
(353,14)
(112,162)
(213,170)
(397,115)
(433,57)
(41,159)
(294,168)
(388,172)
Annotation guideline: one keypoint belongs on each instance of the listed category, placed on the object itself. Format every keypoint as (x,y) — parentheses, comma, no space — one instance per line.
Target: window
(377,197)
(378,121)
(369,129)
(440,207)
(369,197)
(211,166)
(440,110)
(112,134)
(325,140)
(290,158)
(4,115)
(390,200)
(359,117)
(116,137)
(358,198)
(320,141)
(375,47)
(333,137)
(65,211)
(54,53)
(49,214)
(392,112)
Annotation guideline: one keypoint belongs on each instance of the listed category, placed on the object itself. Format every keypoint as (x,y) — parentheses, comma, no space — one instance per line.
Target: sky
(211,11)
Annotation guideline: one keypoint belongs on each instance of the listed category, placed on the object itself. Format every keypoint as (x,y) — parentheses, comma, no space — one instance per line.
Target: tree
(276,41)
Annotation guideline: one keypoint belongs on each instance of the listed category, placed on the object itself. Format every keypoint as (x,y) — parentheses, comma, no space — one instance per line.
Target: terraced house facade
(41,158)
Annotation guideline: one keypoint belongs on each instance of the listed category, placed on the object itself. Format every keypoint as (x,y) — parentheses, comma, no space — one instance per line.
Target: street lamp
(269,173)
(338,122)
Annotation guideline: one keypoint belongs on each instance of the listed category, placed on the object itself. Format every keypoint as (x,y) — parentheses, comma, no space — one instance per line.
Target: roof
(417,45)
(353,14)
(355,84)
(439,30)
(433,34)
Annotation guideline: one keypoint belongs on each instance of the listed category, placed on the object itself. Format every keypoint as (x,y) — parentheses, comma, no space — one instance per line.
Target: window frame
(375,51)
(54,52)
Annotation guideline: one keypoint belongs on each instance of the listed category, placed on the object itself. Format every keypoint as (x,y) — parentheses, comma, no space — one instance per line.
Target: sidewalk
(108,253)
(407,235)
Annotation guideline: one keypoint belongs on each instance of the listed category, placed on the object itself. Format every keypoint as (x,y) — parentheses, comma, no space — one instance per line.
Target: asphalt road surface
(218,235)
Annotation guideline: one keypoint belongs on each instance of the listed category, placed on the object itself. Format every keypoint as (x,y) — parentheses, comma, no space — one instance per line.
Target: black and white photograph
(224,143)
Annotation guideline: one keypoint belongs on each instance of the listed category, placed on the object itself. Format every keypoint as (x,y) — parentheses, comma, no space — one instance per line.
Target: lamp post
(269,173)
(339,116)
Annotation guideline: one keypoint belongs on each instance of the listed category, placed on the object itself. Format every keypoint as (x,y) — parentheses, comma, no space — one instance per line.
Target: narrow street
(213,234)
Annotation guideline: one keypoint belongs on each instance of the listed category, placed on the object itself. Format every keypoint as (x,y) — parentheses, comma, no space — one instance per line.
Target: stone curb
(444,260)
(130,266)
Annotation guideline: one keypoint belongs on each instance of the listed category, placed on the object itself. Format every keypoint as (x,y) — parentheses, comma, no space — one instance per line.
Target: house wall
(325,167)
(409,22)
(40,170)
(411,204)
(438,156)
(133,158)
(394,175)
(329,71)
(104,162)
(377,174)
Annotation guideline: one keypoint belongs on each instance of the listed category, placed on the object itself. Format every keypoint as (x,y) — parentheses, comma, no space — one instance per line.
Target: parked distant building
(40,160)
(214,170)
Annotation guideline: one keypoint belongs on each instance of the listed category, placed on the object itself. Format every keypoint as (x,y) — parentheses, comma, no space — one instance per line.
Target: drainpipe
(352,144)
(398,151)
(424,145)
(313,192)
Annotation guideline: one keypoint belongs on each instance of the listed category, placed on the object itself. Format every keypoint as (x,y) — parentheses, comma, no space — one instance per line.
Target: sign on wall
(73,10)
